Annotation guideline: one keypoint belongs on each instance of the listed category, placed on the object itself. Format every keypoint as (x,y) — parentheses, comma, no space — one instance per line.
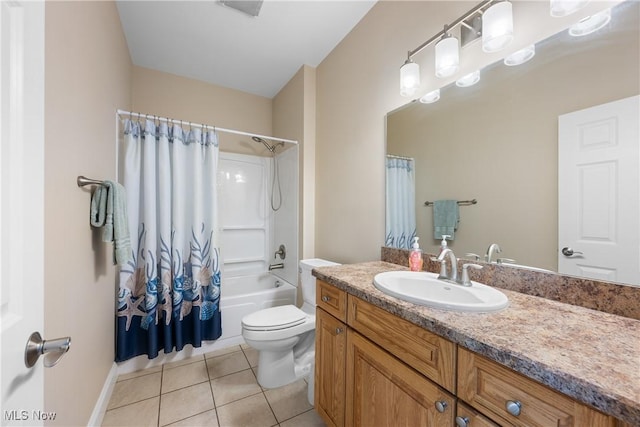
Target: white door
(599,192)
(22,207)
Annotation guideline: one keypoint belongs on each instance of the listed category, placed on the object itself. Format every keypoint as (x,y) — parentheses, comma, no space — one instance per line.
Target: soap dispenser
(443,244)
(415,257)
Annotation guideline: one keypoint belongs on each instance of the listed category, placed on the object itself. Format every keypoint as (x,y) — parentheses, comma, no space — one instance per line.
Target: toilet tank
(308,282)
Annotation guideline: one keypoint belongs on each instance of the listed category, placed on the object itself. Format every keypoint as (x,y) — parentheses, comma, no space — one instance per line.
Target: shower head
(263,142)
(271,148)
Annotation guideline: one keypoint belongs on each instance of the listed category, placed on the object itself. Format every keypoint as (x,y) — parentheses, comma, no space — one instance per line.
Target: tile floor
(216,389)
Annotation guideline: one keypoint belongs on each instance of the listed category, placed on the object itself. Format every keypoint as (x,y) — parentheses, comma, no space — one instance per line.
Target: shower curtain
(401,206)
(169,293)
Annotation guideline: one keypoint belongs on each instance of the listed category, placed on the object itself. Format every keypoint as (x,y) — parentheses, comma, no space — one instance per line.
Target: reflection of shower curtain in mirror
(401,205)
(169,294)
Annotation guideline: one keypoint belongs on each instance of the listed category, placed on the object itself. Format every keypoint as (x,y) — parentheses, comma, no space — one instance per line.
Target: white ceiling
(207,41)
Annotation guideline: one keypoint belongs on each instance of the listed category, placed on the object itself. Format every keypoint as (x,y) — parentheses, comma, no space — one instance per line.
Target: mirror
(496,141)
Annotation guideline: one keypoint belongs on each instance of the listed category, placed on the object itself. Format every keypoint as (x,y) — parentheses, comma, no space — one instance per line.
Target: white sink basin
(425,289)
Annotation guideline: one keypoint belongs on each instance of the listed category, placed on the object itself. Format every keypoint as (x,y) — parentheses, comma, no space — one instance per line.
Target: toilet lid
(281,317)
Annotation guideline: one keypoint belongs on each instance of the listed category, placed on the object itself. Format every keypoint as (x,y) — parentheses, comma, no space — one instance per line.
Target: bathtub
(243,295)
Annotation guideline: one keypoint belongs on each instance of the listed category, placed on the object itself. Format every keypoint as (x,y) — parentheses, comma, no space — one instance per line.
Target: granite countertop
(589,355)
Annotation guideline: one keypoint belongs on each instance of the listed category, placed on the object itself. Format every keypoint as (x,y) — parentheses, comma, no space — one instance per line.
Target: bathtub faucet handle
(282,251)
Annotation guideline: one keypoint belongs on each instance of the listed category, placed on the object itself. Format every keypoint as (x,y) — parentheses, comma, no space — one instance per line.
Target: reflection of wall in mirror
(497,141)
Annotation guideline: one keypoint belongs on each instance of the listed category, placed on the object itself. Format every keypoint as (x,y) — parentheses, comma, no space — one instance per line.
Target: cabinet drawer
(429,354)
(512,399)
(468,417)
(332,300)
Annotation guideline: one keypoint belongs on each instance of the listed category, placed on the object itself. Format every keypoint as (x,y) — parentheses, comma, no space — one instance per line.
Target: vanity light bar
(495,27)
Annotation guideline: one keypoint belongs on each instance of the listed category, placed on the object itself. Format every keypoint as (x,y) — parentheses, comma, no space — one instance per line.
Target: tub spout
(276,266)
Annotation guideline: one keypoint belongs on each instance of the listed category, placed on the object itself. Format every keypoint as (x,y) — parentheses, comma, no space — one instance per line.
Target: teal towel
(98,206)
(446,217)
(109,211)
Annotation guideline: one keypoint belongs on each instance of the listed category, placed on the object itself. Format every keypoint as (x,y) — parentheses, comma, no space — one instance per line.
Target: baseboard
(103,400)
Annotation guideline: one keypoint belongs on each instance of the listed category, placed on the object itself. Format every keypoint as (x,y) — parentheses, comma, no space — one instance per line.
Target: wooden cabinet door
(329,388)
(383,391)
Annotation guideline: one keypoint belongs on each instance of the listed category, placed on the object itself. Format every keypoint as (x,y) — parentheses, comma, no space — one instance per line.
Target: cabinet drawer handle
(326,298)
(339,331)
(463,422)
(441,406)
(514,407)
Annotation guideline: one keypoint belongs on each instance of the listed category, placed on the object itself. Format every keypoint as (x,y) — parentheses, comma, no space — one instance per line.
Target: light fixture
(497,27)
(490,19)
(469,80)
(430,97)
(409,78)
(560,8)
(447,55)
(590,24)
(520,56)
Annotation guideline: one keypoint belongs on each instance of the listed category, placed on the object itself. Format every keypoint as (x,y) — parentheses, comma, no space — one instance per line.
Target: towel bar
(460,202)
(83,180)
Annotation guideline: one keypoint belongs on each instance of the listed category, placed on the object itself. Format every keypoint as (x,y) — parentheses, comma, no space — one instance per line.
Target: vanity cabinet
(375,369)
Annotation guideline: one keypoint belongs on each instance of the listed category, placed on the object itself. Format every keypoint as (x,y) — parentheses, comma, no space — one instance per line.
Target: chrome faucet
(493,249)
(443,265)
(453,277)
(277,266)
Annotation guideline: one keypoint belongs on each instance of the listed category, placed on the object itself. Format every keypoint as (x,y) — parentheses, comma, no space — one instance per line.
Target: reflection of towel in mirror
(446,217)
(108,210)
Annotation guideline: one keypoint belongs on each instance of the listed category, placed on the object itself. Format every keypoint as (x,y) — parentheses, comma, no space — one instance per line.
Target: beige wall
(87,77)
(358,83)
(294,117)
(168,95)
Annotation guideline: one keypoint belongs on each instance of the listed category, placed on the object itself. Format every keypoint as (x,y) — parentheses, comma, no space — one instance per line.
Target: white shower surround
(251,230)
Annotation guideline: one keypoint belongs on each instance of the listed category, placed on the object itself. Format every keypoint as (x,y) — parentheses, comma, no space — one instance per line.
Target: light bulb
(409,78)
(497,27)
(447,56)
(520,56)
(469,80)
(430,97)
(590,24)
(560,8)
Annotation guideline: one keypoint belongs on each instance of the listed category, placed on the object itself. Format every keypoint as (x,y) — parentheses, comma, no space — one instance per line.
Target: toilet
(285,335)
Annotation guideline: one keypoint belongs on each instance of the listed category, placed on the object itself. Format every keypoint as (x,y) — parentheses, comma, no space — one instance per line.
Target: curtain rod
(392,156)
(215,128)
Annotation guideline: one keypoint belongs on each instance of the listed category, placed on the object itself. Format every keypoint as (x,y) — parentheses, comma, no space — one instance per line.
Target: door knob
(53,350)
(567,251)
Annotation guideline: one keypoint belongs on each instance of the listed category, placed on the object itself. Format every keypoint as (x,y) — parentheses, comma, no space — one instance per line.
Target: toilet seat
(274,318)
